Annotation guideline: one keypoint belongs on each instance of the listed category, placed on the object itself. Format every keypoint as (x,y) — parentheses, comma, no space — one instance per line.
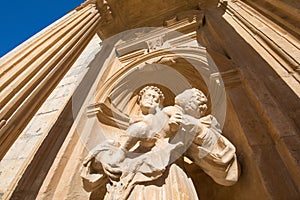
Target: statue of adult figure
(160,137)
(141,167)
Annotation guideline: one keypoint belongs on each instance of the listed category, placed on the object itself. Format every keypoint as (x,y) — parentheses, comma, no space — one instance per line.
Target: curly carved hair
(154,88)
(185,97)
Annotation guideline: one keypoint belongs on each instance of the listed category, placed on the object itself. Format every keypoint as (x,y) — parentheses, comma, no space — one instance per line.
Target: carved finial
(105,11)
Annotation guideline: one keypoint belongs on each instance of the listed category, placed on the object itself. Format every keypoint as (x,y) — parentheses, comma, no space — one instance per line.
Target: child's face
(197,104)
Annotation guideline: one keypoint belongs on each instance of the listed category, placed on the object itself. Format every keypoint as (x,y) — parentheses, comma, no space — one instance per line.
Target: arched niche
(173,70)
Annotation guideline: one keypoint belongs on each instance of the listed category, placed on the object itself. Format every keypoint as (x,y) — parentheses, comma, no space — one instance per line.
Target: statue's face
(149,100)
(197,105)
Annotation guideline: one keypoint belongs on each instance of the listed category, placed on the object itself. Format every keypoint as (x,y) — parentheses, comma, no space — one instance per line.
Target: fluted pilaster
(30,73)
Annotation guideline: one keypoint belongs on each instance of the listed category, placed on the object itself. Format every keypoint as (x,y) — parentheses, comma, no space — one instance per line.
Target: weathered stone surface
(255,45)
(19,155)
(279,186)
(147,161)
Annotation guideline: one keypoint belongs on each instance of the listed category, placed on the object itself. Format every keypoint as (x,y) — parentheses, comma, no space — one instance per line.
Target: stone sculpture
(149,163)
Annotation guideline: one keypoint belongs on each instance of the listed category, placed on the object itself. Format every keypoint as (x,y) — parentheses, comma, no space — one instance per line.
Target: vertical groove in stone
(37,44)
(26,70)
(40,68)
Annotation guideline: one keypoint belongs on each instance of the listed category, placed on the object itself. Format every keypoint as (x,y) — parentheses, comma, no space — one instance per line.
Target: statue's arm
(215,154)
(92,178)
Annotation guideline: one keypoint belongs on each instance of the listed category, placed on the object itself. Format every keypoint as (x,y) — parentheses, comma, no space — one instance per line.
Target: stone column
(30,73)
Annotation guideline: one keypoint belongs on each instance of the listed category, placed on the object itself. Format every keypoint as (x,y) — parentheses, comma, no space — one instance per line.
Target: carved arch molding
(173,62)
(176,64)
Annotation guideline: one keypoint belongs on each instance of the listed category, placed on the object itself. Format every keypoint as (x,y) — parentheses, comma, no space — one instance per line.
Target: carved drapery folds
(258,62)
(147,137)
(147,157)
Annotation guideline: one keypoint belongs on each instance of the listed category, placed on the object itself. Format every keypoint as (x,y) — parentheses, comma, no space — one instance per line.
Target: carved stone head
(193,102)
(150,98)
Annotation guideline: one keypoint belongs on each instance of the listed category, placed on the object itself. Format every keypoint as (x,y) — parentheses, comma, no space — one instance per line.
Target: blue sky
(20,19)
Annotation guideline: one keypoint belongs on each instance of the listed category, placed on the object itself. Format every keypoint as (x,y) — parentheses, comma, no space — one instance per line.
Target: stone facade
(35,132)
(60,88)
